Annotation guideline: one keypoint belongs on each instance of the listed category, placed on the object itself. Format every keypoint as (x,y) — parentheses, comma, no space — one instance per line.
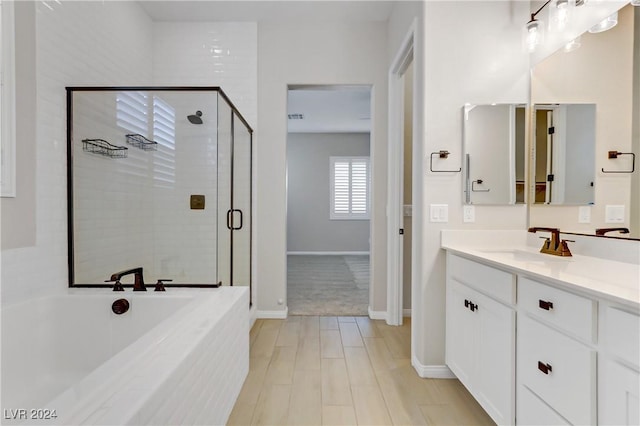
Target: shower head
(195,118)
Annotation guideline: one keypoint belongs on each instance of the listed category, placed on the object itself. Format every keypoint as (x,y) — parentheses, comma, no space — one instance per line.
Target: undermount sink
(526,256)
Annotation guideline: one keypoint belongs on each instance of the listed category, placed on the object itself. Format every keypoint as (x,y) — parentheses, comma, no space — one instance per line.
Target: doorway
(328,200)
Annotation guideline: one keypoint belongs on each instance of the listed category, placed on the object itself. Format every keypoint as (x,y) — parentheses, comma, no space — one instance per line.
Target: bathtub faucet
(138,283)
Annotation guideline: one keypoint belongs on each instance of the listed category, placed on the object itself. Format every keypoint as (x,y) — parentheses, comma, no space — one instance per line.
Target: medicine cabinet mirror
(599,81)
(494,154)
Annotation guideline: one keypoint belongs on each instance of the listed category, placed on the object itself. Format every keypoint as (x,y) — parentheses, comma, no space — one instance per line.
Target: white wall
(466,61)
(313,53)
(309,226)
(78,43)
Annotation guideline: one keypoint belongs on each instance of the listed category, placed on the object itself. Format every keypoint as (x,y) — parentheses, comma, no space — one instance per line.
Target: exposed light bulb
(534,35)
(560,13)
(605,24)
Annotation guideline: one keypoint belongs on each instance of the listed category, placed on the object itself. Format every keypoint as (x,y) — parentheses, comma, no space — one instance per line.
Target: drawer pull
(473,307)
(545,305)
(545,368)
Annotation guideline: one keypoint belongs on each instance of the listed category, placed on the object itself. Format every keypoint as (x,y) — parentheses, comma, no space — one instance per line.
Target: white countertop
(512,250)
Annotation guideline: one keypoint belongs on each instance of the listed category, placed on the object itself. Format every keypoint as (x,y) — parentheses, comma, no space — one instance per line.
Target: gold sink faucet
(553,245)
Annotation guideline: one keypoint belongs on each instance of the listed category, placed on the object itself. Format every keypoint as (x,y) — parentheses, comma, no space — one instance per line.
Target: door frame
(395,183)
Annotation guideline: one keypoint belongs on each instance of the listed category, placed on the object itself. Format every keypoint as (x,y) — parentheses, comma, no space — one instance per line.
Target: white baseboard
(273,314)
(377,315)
(432,371)
(327,253)
(406,312)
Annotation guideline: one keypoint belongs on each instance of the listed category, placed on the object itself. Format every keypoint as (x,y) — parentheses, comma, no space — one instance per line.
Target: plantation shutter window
(350,182)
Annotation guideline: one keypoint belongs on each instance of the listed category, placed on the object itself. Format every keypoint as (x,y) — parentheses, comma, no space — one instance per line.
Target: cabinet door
(495,372)
(618,394)
(461,332)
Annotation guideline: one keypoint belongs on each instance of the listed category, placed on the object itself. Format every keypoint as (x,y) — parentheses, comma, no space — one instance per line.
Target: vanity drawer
(533,411)
(560,370)
(572,313)
(491,281)
(621,334)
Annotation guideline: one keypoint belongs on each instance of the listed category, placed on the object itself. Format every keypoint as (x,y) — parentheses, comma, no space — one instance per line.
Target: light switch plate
(584,214)
(408,210)
(439,213)
(469,213)
(614,214)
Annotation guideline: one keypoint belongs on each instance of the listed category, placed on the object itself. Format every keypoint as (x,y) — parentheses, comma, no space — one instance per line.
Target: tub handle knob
(160,284)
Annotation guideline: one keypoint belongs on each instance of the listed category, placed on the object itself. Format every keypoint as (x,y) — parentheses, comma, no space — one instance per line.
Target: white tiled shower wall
(112,44)
(78,43)
(221,54)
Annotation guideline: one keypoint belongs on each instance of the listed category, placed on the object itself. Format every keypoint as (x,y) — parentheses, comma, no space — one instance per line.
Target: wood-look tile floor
(310,370)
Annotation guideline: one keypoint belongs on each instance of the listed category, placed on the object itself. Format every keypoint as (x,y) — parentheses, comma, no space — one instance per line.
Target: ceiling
(329,109)
(325,109)
(268,10)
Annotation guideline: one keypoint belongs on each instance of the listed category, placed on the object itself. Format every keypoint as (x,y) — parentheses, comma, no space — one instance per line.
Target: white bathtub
(178,357)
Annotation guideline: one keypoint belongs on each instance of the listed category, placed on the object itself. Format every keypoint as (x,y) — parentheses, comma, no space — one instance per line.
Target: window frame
(333,215)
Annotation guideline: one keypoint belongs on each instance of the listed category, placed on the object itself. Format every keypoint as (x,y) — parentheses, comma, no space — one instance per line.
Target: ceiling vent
(296,116)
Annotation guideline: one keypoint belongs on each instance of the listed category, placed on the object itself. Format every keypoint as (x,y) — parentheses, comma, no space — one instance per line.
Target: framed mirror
(494,154)
(602,77)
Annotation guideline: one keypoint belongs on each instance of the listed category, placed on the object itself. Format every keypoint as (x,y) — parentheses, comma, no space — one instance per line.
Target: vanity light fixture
(534,34)
(560,13)
(605,24)
(635,2)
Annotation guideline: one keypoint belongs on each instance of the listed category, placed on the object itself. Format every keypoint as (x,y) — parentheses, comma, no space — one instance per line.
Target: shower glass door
(225,156)
(241,200)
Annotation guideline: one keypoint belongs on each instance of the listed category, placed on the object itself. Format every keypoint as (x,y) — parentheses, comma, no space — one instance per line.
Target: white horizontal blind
(350,183)
(164,133)
(131,112)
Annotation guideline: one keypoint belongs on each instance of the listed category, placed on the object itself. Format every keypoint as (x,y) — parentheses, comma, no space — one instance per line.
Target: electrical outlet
(469,213)
(584,214)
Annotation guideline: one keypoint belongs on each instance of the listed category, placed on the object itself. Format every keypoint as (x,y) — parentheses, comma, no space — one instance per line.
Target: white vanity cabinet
(556,355)
(619,366)
(480,334)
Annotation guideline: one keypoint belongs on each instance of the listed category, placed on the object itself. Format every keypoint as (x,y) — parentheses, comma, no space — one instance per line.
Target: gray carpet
(328,285)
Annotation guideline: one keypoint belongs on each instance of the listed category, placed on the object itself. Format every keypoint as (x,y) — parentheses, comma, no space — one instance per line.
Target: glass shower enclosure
(158,178)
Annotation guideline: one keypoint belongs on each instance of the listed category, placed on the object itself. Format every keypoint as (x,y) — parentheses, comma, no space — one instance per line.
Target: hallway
(328,285)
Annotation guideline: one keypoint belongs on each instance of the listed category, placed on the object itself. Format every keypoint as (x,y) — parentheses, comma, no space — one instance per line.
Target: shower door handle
(229,217)
(239,227)
(230,220)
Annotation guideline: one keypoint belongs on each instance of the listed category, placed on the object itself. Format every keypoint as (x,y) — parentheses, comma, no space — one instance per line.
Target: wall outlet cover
(584,214)
(614,214)
(469,214)
(439,213)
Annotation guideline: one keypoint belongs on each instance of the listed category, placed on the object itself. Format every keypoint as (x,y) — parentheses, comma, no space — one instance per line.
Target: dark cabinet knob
(545,305)
(466,303)
(544,367)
